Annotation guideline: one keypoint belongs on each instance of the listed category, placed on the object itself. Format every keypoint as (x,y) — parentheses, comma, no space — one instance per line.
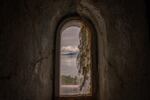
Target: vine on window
(84,59)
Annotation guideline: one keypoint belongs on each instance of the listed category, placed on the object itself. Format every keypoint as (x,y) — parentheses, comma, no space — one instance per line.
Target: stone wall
(28,35)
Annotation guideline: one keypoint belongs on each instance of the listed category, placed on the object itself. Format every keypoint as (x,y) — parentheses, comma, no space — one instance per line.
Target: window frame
(94,58)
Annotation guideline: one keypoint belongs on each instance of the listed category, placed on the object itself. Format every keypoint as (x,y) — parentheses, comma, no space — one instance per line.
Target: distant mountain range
(69,53)
(69,50)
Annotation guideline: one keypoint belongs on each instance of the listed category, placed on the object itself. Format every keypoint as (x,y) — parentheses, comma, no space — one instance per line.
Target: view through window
(75,61)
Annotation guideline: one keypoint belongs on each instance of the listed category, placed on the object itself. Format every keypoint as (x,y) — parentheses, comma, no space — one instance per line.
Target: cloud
(69,49)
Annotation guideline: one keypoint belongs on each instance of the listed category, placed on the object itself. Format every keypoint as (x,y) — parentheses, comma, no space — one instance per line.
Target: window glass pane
(75,61)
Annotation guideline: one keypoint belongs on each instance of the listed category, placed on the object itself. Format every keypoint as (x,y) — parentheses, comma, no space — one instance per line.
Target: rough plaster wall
(123,47)
(127,71)
(27,33)
(25,50)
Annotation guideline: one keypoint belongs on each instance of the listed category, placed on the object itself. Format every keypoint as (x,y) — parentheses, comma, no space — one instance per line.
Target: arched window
(74,72)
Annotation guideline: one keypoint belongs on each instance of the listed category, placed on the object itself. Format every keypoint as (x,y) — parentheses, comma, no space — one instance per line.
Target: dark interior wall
(27,34)
(27,29)
(25,50)
(127,71)
(147,2)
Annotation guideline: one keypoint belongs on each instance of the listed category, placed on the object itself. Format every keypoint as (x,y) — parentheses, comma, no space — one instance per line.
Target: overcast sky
(70,36)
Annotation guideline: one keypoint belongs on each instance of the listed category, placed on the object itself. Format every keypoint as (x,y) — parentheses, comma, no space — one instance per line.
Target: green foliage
(68,80)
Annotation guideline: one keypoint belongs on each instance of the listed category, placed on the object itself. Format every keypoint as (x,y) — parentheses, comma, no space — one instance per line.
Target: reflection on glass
(73,81)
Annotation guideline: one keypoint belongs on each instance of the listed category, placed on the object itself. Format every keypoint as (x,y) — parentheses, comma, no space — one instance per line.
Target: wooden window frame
(94,53)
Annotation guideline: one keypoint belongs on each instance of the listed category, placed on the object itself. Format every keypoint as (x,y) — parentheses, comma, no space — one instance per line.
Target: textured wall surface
(27,35)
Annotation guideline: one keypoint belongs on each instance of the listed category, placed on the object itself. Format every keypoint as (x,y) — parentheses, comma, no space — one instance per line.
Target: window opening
(75,60)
